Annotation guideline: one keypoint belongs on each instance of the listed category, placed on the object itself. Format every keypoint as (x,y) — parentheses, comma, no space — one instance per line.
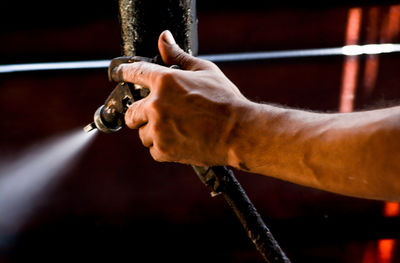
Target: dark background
(119,205)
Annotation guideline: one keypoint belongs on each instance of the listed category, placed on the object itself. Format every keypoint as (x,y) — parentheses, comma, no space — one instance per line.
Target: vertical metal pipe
(142,21)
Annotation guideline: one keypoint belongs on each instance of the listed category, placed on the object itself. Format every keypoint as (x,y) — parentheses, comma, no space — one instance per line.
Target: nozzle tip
(90,127)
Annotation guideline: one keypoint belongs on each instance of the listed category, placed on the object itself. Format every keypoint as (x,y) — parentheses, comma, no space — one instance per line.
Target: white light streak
(350,50)
(272,55)
(356,50)
(55,66)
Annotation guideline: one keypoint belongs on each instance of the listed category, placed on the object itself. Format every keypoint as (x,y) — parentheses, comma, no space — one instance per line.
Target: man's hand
(190,112)
(197,116)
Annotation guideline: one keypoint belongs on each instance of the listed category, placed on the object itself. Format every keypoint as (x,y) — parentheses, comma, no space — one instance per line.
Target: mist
(28,177)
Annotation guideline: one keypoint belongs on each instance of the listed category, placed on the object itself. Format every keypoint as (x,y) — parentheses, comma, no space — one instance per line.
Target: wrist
(254,135)
(241,138)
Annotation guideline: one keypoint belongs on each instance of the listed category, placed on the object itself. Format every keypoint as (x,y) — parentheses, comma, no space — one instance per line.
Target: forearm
(197,116)
(355,154)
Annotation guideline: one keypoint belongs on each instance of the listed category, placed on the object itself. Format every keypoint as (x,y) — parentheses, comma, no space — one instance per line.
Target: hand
(190,112)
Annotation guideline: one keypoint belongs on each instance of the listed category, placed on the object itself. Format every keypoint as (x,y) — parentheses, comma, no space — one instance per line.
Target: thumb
(172,54)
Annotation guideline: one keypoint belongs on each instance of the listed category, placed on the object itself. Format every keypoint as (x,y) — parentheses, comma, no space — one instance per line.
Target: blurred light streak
(349,50)
(54,66)
(372,61)
(370,74)
(351,64)
(391,26)
(385,250)
(369,255)
(391,209)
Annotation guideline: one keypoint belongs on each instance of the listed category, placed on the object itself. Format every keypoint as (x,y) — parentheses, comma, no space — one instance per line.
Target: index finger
(141,73)
(115,62)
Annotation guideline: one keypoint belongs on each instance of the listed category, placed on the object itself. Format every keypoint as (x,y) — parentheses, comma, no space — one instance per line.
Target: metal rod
(143,21)
(222,181)
(146,23)
(353,50)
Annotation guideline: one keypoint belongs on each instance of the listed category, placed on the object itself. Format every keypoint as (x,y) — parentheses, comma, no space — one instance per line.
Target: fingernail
(169,38)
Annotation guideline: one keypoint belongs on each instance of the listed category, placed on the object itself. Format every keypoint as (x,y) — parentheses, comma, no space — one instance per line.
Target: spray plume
(26,179)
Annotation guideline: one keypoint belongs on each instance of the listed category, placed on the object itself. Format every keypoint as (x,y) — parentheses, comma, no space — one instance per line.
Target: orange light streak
(369,253)
(351,64)
(385,250)
(372,61)
(391,27)
(386,246)
(391,209)
(370,74)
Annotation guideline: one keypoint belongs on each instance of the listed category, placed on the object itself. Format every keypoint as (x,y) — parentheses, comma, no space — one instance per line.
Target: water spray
(29,177)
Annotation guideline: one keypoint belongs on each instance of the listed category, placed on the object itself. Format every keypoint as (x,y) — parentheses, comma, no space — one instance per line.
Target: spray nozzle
(109,117)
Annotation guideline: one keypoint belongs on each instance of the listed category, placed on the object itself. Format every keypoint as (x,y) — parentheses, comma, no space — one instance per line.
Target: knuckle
(157,154)
(164,79)
(118,73)
(129,122)
(131,72)
(130,117)
(210,64)
(183,59)
(155,107)
(141,134)
(159,128)
(146,144)
(125,71)
(163,150)
(137,69)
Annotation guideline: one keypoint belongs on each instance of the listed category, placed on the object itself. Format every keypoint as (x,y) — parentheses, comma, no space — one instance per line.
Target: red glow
(353,26)
(349,83)
(370,253)
(374,21)
(391,26)
(350,67)
(391,209)
(385,250)
(372,61)
(370,74)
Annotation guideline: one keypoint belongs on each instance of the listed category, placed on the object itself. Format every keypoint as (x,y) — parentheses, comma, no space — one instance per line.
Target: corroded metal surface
(127,31)
(142,21)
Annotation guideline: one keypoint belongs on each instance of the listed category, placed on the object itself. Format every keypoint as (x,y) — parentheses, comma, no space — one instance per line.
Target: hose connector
(109,117)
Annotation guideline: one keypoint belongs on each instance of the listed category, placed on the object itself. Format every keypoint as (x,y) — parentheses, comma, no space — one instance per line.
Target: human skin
(195,115)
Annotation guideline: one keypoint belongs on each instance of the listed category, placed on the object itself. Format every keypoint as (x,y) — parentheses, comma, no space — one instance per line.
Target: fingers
(158,155)
(135,116)
(146,136)
(142,73)
(172,54)
(146,74)
(115,62)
